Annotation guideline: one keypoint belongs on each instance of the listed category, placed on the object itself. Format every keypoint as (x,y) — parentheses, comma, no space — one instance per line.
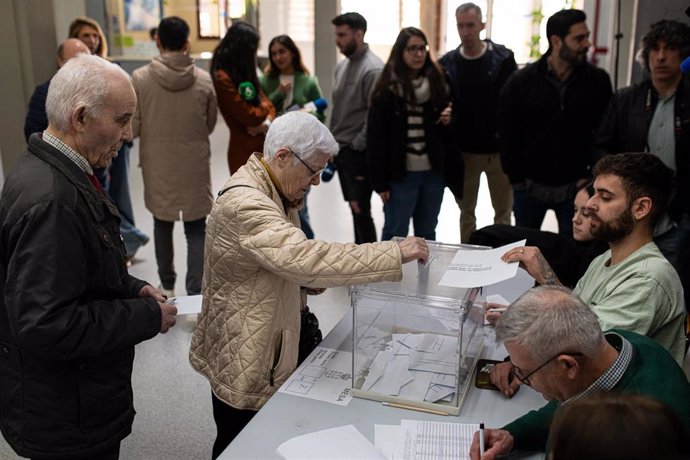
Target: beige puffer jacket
(256,259)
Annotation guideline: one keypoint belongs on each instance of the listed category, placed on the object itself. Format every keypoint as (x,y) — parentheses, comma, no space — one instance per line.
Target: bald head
(70,48)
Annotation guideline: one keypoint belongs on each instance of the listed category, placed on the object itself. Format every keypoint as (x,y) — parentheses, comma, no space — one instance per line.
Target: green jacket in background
(652,372)
(306,89)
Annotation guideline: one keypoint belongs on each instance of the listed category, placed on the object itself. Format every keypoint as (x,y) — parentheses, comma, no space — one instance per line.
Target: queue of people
(551,135)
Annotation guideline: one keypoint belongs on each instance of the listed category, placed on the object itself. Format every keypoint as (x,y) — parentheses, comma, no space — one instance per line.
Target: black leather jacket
(625,126)
(69,314)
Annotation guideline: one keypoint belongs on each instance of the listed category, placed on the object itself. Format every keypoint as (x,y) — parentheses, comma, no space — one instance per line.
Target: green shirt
(305,89)
(652,372)
(641,294)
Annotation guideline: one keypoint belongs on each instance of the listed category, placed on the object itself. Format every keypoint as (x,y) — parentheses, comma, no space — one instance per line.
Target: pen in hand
(481,439)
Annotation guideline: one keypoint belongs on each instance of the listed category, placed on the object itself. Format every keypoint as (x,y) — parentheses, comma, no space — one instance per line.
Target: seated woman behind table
(569,256)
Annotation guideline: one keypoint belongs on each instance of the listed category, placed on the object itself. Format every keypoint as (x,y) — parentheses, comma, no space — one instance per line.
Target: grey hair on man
(467,7)
(548,320)
(301,133)
(84,81)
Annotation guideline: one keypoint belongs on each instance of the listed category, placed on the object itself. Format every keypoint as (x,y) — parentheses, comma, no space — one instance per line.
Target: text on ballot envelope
(480,267)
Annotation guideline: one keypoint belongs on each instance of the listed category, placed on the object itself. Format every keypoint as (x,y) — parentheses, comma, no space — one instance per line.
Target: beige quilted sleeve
(267,237)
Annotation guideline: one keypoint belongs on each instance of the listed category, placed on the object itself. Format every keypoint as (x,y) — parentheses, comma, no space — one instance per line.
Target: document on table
(186,305)
(339,443)
(387,439)
(326,375)
(476,268)
(423,440)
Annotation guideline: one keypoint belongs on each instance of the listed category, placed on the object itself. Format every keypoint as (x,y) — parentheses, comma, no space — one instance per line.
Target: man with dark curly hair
(654,116)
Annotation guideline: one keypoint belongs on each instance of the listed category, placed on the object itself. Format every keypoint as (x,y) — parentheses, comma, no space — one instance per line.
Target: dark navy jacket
(36,119)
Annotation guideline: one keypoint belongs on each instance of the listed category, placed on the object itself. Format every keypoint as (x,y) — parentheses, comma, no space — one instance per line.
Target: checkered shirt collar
(69,152)
(608,380)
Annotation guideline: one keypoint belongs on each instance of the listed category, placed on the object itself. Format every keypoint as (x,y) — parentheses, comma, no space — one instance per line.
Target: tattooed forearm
(550,278)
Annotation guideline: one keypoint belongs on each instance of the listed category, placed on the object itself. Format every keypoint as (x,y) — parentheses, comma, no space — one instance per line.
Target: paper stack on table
(423,440)
(411,440)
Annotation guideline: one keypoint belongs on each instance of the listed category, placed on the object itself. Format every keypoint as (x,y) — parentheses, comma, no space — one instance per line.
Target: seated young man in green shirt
(631,286)
(557,347)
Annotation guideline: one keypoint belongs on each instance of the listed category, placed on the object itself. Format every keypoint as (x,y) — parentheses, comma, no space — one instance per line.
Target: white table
(286,416)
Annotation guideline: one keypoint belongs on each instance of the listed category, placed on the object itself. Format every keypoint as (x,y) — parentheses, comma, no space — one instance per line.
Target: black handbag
(309,335)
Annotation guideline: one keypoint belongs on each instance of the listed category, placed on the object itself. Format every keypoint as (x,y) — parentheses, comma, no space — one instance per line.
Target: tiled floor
(174,418)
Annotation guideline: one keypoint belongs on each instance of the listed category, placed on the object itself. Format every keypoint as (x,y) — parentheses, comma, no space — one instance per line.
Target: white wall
(65,11)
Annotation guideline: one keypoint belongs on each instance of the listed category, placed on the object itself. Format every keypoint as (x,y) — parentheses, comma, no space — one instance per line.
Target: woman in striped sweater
(411,151)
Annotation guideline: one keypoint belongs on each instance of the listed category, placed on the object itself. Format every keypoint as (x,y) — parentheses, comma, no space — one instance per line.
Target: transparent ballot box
(416,343)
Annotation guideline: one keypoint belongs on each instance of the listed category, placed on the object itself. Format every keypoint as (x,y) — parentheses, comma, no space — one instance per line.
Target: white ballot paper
(497,299)
(186,305)
(325,375)
(476,268)
(435,440)
(387,440)
(340,443)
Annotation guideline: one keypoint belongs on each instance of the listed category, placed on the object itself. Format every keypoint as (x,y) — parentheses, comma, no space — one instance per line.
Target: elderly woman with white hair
(256,259)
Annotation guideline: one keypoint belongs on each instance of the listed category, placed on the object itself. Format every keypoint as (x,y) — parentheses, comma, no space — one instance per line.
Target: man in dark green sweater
(557,347)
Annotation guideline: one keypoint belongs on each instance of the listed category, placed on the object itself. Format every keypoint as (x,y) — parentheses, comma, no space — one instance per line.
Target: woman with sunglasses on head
(411,151)
(244,106)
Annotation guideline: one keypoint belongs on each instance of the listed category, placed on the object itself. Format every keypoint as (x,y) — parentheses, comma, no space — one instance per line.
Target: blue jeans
(419,197)
(132,237)
(530,212)
(672,243)
(675,246)
(115,181)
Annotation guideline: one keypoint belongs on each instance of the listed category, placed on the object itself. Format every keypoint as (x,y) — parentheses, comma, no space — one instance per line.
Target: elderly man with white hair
(256,259)
(557,347)
(70,314)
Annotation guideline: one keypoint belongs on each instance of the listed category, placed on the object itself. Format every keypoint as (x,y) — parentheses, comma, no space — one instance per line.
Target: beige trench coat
(176,112)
